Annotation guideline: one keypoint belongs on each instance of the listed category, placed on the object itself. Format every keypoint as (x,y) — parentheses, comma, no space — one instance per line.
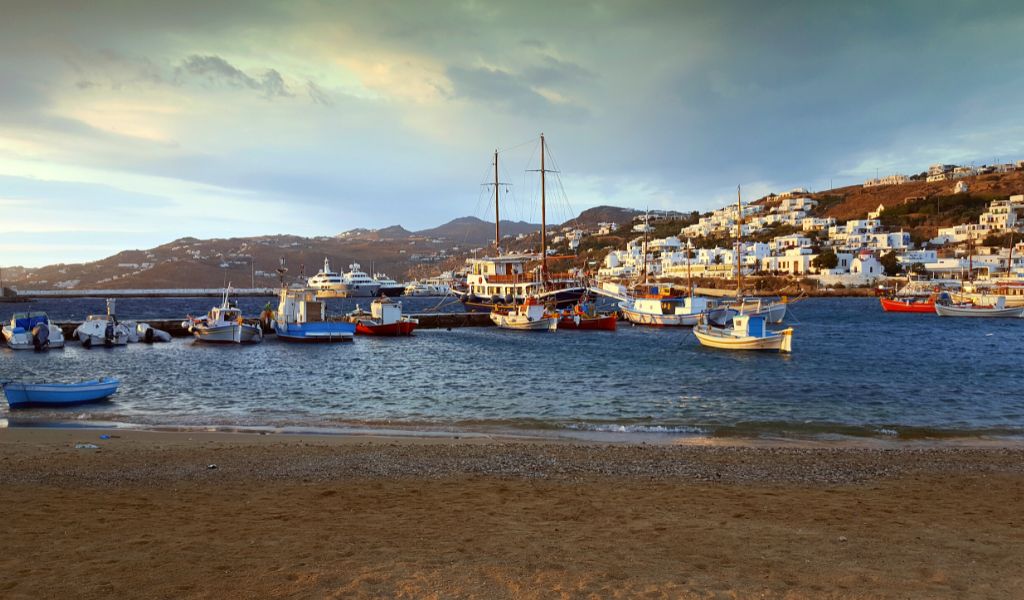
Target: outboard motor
(108,335)
(41,336)
(148,337)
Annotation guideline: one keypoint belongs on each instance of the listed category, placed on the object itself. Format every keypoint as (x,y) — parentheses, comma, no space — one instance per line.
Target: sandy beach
(217,515)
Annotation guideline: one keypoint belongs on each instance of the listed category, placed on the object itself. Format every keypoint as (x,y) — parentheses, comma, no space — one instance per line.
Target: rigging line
(532,140)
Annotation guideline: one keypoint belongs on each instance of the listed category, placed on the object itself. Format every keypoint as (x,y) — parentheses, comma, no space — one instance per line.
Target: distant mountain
(476,232)
(605,214)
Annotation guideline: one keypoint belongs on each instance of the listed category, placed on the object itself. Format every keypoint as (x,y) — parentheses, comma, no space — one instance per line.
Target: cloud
(508,92)
(217,71)
(318,95)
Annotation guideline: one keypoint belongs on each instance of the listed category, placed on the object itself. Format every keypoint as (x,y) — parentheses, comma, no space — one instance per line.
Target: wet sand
(146,516)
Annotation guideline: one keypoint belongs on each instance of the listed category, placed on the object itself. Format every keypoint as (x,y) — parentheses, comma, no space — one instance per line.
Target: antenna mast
(497,220)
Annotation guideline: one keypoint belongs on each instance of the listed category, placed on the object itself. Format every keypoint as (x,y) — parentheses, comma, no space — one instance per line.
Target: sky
(131,124)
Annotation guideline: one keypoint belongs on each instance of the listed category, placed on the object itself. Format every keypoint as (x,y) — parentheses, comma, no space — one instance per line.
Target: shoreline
(685,436)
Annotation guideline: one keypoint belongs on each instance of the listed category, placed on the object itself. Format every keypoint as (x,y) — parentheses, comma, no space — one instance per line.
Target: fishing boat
(745,333)
(301,317)
(388,286)
(531,315)
(103,330)
(585,317)
(505,279)
(945,307)
(32,331)
(224,325)
(385,319)
(25,395)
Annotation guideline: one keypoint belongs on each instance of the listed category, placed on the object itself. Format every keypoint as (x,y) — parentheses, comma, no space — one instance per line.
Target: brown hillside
(858,200)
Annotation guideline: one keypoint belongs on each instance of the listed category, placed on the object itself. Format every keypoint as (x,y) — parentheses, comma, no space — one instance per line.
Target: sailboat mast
(543,215)
(739,243)
(497,220)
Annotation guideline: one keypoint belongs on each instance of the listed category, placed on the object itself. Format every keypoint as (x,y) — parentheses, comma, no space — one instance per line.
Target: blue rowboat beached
(23,395)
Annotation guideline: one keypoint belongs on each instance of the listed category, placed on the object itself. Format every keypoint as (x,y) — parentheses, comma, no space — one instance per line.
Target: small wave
(614,428)
(887,431)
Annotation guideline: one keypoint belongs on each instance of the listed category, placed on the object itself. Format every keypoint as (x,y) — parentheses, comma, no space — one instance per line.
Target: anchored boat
(24,395)
(32,331)
(301,317)
(224,325)
(385,319)
(746,333)
(531,315)
(104,330)
(585,317)
(945,307)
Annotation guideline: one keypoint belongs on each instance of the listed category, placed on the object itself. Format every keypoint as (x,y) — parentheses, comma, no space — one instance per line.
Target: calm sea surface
(854,371)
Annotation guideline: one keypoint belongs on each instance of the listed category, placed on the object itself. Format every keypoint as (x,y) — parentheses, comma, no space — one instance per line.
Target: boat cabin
(299,306)
(21,322)
(385,311)
(749,326)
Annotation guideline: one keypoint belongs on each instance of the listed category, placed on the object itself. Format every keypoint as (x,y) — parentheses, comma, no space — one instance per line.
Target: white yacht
(355,283)
(388,286)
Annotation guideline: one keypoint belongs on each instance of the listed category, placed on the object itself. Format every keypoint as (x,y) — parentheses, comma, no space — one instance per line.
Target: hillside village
(942,223)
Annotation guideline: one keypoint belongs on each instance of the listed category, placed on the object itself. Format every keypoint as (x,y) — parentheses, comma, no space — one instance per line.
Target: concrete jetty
(427,321)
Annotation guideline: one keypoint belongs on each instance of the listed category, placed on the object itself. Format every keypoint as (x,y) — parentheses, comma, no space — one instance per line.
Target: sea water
(854,371)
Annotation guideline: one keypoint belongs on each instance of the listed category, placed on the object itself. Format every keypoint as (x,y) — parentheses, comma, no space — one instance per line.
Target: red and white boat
(385,319)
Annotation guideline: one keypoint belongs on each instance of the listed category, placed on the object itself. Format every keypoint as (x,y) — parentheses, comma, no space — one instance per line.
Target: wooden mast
(543,216)
(497,221)
(689,276)
(739,244)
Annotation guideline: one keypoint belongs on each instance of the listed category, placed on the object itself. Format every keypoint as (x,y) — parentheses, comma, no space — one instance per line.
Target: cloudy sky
(129,124)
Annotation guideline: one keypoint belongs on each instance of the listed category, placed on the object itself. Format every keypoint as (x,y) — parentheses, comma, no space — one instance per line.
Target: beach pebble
(842,538)
(87,446)
(211,466)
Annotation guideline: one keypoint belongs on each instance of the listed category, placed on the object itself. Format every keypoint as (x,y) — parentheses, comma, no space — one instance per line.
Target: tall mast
(643,248)
(689,276)
(497,221)
(739,243)
(543,216)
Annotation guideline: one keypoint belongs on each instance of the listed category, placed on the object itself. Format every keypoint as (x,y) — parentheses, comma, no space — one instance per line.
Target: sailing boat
(504,279)
(531,315)
(747,327)
(772,311)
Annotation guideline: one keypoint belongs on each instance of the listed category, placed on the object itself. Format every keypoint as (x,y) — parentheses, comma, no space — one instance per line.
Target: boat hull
(350,291)
(659,320)
(563,298)
(400,328)
(978,312)
(908,306)
(23,339)
(773,312)
(311,333)
(522,323)
(26,395)
(581,323)
(391,292)
(780,341)
(228,334)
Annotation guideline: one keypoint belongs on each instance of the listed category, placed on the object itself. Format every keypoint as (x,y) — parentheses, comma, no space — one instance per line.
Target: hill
(855,202)
(477,232)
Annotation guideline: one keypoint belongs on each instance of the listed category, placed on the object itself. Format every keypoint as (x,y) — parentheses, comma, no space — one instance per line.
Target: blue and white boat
(32,331)
(24,395)
(301,317)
